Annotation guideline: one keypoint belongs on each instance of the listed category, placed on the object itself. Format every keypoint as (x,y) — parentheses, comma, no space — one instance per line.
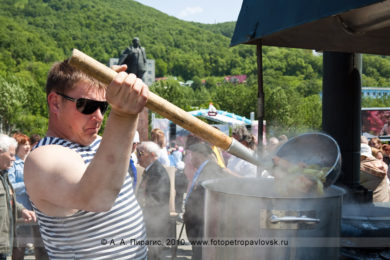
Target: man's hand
(29,216)
(126,94)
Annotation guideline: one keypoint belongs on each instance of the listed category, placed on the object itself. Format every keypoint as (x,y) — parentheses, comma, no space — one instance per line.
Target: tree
(22,105)
(211,83)
(310,87)
(172,91)
(161,68)
(197,83)
(12,98)
(277,107)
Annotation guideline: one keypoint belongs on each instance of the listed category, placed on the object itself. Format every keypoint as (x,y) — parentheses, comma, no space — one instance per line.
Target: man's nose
(98,115)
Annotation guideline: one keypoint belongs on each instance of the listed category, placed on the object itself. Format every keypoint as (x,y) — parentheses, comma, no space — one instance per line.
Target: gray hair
(6,142)
(150,147)
(242,134)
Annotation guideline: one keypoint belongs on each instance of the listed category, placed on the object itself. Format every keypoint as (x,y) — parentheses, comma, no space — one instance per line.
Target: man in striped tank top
(77,181)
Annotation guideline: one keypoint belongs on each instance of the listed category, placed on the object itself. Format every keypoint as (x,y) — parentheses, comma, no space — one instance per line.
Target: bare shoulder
(51,171)
(50,159)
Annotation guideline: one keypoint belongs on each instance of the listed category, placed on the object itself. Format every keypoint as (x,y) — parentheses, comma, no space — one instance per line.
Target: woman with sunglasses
(78,181)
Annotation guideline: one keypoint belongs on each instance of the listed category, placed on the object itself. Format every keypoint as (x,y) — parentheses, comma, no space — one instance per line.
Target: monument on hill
(135,58)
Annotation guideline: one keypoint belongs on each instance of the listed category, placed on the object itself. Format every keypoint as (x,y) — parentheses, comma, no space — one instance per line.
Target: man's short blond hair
(63,77)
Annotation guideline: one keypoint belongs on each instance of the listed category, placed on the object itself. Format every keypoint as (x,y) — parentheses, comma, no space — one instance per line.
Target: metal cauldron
(246,210)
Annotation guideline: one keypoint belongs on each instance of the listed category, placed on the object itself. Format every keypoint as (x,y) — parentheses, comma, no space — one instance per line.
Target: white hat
(136,137)
(365,150)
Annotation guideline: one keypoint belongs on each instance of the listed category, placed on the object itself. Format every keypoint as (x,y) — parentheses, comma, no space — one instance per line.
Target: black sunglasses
(85,105)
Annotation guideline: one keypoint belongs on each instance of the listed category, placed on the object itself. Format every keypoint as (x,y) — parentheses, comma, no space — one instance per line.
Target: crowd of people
(195,162)
(87,192)
(374,168)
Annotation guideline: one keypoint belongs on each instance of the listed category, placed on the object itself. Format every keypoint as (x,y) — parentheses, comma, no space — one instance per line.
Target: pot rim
(216,185)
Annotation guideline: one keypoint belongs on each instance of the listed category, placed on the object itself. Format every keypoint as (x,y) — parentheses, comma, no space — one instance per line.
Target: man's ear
(53,101)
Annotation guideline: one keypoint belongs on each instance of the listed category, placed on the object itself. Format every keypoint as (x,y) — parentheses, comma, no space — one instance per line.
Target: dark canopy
(358,26)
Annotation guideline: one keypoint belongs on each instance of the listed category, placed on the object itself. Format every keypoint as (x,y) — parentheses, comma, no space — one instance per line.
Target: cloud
(188,11)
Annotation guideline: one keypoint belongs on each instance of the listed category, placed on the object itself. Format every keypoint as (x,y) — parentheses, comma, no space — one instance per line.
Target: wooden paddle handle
(155,103)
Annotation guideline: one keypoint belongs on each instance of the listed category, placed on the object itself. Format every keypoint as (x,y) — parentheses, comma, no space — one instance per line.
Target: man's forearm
(105,174)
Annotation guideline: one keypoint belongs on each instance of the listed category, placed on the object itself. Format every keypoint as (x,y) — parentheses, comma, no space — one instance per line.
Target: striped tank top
(116,234)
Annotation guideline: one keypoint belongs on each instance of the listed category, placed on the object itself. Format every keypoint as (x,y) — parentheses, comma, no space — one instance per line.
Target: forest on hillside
(36,33)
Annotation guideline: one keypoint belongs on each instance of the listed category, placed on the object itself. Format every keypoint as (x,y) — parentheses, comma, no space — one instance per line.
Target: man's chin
(89,138)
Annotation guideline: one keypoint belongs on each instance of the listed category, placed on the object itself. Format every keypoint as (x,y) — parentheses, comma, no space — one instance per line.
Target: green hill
(45,31)
(36,33)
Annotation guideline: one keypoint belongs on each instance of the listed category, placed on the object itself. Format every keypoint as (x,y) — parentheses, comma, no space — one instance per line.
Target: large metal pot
(246,210)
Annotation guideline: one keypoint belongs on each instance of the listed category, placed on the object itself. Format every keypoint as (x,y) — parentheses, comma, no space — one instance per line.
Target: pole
(260,100)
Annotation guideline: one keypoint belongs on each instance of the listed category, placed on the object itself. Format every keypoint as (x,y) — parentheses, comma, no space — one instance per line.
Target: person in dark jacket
(153,196)
(9,208)
(201,159)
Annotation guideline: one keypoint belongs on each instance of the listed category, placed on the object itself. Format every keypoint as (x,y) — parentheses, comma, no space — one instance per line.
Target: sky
(202,11)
